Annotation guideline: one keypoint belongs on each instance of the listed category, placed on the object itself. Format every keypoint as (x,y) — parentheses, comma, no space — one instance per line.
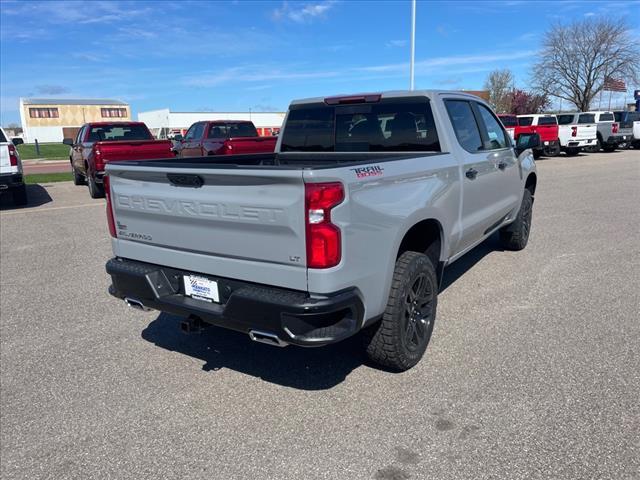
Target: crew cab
(576,131)
(628,126)
(223,137)
(99,143)
(544,125)
(346,227)
(11,178)
(609,135)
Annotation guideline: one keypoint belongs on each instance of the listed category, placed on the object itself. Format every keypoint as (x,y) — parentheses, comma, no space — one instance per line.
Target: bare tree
(499,84)
(576,58)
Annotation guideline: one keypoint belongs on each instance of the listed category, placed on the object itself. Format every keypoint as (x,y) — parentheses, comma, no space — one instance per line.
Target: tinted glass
(118,133)
(3,139)
(547,121)
(618,116)
(509,121)
(606,117)
(525,121)
(565,119)
(236,130)
(195,132)
(392,125)
(633,117)
(80,136)
(464,124)
(497,137)
(586,118)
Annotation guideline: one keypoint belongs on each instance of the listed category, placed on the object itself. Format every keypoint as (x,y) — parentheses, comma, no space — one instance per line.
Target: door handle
(502,165)
(471,174)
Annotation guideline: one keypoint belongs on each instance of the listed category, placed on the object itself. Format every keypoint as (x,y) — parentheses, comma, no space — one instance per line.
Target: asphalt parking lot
(533,370)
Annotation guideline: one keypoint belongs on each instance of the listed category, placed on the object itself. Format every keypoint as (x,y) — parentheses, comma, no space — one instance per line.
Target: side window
(496,137)
(195,132)
(464,124)
(80,135)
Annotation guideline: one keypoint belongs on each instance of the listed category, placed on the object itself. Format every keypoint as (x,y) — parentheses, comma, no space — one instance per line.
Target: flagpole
(413,45)
(610,92)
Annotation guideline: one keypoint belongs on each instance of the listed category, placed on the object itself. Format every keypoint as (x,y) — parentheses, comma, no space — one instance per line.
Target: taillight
(97,159)
(614,128)
(365,98)
(13,156)
(110,219)
(574,131)
(323,237)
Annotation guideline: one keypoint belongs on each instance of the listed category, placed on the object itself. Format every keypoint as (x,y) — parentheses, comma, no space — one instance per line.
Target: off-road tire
(398,341)
(537,154)
(19,195)
(95,190)
(515,236)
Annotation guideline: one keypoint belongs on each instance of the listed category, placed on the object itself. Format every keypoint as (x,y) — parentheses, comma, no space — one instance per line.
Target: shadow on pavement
(302,368)
(36,195)
(296,367)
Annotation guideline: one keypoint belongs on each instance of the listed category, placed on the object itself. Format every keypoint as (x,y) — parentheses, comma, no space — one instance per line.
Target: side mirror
(178,138)
(527,141)
(17,141)
(68,141)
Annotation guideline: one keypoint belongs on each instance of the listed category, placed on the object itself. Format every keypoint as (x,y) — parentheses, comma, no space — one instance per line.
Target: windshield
(509,121)
(232,130)
(565,119)
(586,118)
(115,133)
(394,125)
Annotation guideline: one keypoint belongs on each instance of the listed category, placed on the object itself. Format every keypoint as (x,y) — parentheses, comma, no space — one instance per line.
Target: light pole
(413,45)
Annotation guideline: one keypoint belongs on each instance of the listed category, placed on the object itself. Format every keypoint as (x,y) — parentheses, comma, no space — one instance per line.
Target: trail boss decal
(364,172)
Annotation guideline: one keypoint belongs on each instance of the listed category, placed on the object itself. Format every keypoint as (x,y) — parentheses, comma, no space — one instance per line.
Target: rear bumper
(580,143)
(296,317)
(616,139)
(11,180)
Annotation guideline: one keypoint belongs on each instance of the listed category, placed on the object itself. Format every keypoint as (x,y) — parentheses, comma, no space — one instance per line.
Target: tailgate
(5,162)
(252,145)
(548,133)
(246,224)
(135,150)
(586,132)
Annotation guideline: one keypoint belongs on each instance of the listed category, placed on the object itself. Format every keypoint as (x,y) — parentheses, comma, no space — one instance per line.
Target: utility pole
(413,46)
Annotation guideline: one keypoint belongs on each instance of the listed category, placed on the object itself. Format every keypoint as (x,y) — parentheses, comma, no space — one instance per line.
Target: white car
(576,131)
(11,179)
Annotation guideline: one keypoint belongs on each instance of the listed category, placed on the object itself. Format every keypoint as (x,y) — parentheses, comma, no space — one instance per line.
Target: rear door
(487,195)
(246,224)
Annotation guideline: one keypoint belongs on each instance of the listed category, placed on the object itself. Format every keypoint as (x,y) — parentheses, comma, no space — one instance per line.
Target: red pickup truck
(544,125)
(102,142)
(223,137)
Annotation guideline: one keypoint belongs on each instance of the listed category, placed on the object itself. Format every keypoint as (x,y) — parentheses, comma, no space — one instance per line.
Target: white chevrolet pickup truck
(576,131)
(11,179)
(347,227)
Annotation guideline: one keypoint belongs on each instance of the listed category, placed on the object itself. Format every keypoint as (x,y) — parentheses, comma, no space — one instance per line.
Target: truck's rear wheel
(400,339)
(515,236)
(78,178)
(95,190)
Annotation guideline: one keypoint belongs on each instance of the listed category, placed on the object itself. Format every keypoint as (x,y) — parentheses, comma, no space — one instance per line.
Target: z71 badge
(364,172)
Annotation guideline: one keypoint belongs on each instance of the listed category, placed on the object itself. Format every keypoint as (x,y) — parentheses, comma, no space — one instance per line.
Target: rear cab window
(565,119)
(547,121)
(606,117)
(114,133)
(232,130)
(525,121)
(509,120)
(585,118)
(389,125)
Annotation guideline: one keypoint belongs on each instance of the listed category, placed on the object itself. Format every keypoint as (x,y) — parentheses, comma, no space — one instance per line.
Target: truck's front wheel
(515,236)
(400,339)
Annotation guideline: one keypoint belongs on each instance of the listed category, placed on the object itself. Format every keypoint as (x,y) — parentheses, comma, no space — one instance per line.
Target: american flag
(614,85)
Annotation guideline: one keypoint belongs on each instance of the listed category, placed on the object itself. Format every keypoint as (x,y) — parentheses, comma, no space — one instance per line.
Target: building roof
(72,101)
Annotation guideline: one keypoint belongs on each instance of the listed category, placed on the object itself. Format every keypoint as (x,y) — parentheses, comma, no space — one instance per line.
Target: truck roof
(390,94)
(116,122)
(537,115)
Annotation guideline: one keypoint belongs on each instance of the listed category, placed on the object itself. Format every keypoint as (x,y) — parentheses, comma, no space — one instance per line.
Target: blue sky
(236,55)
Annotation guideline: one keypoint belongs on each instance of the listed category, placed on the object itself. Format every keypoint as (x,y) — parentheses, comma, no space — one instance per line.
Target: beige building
(52,120)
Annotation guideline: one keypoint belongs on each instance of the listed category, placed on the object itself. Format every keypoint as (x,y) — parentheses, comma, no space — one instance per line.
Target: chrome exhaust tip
(266,337)
(137,304)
